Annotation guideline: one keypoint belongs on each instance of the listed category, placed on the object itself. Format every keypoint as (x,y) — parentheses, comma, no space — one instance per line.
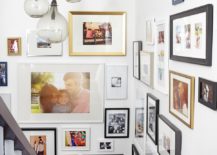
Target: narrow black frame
(156,116)
(6,74)
(174,2)
(128,122)
(139,49)
(45,129)
(136,134)
(208,9)
(134,150)
(214,97)
(178,135)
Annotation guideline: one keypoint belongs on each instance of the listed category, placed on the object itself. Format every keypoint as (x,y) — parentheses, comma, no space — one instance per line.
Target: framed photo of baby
(14,46)
(182,97)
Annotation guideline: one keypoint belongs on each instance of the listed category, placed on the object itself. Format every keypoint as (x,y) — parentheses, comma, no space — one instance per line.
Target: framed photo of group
(181,98)
(191,35)
(97,33)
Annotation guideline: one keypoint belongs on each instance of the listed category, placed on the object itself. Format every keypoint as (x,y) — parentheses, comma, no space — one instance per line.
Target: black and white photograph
(116,82)
(117,123)
(3,74)
(105,145)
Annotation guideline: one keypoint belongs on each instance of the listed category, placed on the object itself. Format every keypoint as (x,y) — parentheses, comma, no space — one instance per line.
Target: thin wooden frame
(14,48)
(137,47)
(96,51)
(197,55)
(3,74)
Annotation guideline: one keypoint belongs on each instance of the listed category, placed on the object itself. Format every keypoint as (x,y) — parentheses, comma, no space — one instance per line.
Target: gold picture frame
(181,97)
(14,46)
(97,33)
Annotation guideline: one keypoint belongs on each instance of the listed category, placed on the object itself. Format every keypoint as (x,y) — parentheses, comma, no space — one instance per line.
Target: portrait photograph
(117,123)
(182,97)
(3,74)
(207,93)
(139,122)
(14,46)
(38,143)
(105,145)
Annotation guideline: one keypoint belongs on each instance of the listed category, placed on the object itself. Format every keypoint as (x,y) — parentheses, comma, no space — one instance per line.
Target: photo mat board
(139,122)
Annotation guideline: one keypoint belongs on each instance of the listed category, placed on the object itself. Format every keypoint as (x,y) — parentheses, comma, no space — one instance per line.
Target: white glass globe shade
(36,8)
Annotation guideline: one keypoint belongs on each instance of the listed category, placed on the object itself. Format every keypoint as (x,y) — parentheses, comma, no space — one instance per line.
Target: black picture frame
(114,125)
(207,93)
(139,48)
(175,2)
(170,128)
(54,130)
(3,74)
(152,112)
(134,150)
(207,60)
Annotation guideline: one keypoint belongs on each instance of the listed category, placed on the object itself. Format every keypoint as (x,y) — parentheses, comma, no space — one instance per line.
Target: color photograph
(14,46)
(38,143)
(139,122)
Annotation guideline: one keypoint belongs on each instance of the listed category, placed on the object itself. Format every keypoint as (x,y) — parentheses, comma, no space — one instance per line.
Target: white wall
(202,139)
(15,23)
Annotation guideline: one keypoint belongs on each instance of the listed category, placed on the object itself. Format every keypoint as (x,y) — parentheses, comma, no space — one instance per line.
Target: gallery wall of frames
(175,68)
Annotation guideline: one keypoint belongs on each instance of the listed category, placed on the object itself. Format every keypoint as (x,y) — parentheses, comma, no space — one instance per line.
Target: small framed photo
(7,99)
(3,74)
(105,145)
(151,119)
(174,2)
(181,100)
(40,47)
(170,137)
(14,46)
(191,35)
(134,150)
(137,47)
(116,81)
(117,122)
(139,122)
(149,27)
(76,139)
(42,140)
(207,93)
(147,67)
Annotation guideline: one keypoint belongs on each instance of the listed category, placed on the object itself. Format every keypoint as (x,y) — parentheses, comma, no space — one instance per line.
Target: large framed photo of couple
(52,93)
(191,34)
(97,33)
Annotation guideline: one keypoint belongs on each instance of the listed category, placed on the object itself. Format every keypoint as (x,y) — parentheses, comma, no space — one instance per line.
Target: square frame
(152,112)
(3,74)
(139,122)
(137,47)
(175,2)
(181,97)
(197,48)
(134,150)
(14,48)
(207,93)
(114,128)
(113,45)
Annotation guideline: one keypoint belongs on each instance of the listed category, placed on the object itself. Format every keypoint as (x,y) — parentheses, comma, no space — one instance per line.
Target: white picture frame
(26,113)
(149,31)
(116,82)
(7,99)
(105,145)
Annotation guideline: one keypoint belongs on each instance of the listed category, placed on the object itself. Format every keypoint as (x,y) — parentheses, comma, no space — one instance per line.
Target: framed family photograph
(14,46)
(137,47)
(147,67)
(175,2)
(149,29)
(105,145)
(134,150)
(191,35)
(97,33)
(181,98)
(38,46)
(61,92)
(139,122)
(42,140)
(116,82)
(169,139)
(76,139)
(3,74)
(152,112)
(207,93)
(117,122)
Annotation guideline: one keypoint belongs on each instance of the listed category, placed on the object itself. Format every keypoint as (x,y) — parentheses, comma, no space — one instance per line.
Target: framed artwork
(61,93)
(116,81)
(134,150)
(97,33)
(152,112)
(7,99)
(76,139)
(161,58)
(40,47)
(3,74)
(42,140)
(181,99)
(139,122)
(105,145)
(191,34)
(14,46)
(117,122)
(170,137)
(137,47)
(174,2)
(146,67)
(207,93)
(149,27)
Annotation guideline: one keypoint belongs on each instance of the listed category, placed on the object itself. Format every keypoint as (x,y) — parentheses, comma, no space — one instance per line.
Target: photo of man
(39,144)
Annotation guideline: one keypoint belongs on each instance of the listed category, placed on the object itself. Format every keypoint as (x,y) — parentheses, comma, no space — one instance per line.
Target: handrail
(14,131)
